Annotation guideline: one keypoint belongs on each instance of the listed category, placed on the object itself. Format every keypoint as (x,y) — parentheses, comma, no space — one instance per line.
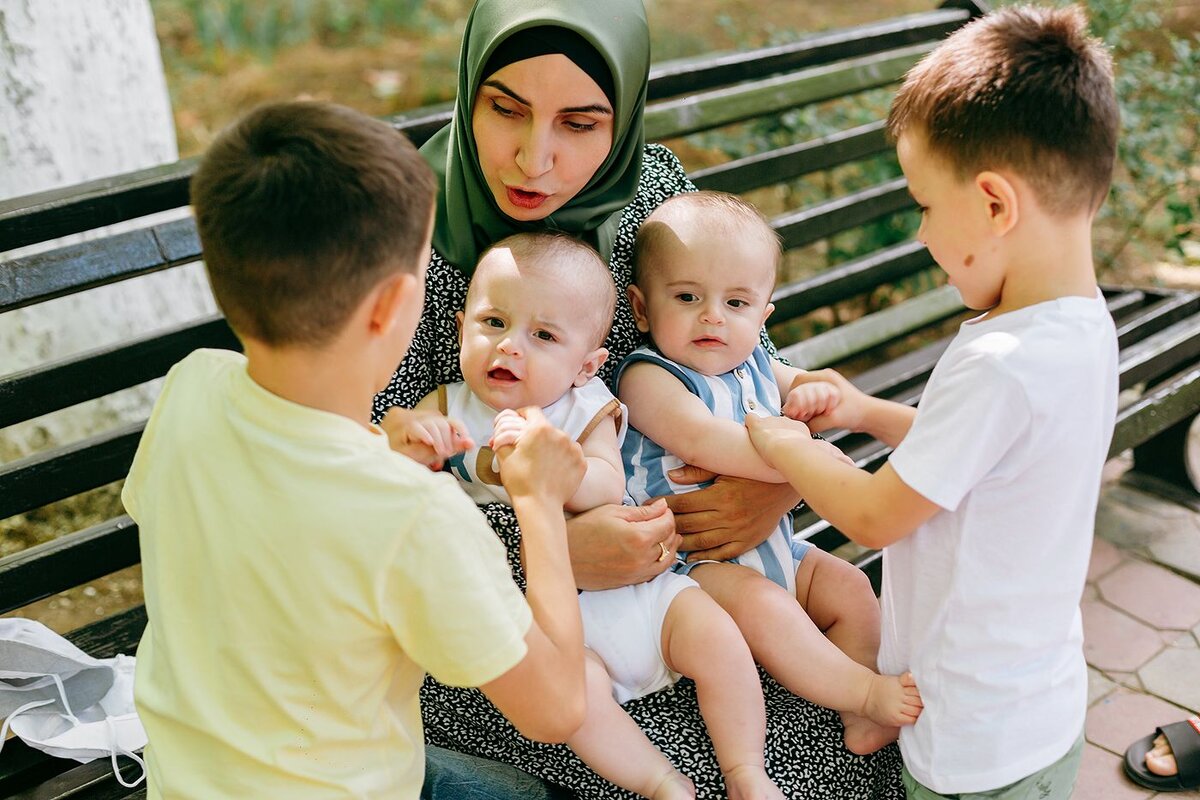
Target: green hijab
(468,219)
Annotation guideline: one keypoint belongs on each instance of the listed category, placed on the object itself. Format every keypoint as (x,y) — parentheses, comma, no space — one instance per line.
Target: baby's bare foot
(750,782)
(864,737)
(893,700)
(674,786)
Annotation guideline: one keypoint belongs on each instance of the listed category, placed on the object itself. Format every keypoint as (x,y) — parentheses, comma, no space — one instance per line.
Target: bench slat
(786,163)
(1161,352)
(822,220)
(703,111)
(35,392)
(66,471)
(68,561)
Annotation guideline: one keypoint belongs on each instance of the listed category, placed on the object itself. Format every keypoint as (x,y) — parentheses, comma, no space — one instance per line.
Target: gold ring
(663,554)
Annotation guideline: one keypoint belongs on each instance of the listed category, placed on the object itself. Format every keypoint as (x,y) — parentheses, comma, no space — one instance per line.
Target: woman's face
(542,128)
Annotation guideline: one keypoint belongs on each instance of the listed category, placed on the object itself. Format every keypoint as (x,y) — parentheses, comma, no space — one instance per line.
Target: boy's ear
(1000,197)
(388,300)
(637,302)
(591,365)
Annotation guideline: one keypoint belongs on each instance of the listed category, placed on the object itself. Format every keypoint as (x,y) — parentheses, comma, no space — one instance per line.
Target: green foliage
(1158,83)
(265,26)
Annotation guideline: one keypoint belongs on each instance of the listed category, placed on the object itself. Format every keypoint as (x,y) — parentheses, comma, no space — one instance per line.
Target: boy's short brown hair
(720,211)
(1024,88)
(302,209)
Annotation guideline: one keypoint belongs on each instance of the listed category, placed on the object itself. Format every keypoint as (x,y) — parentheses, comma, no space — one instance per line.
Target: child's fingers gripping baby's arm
(662,408)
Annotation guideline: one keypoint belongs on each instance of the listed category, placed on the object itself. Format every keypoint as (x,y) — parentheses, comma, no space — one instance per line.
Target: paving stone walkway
(1141,620)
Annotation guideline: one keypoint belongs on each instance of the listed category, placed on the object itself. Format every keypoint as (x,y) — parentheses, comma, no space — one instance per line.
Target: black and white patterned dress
(805,754)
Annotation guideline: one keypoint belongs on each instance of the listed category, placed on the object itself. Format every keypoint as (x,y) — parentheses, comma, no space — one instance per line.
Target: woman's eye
(581,127)
(545,336)
(501,110)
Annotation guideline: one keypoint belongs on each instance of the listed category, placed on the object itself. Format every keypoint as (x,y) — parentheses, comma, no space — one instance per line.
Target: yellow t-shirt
(300,579)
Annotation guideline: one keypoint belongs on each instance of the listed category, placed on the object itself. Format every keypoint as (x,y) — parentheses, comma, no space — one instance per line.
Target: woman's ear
(999,196)
(591,365)
(637,301)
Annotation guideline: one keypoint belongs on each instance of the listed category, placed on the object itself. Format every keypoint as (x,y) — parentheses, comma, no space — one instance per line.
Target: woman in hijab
(547,135)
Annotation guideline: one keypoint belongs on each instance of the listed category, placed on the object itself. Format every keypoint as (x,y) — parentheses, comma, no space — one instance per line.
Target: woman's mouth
(523,199)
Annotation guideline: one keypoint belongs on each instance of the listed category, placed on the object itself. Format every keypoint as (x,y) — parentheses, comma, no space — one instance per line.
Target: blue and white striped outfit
(746,389)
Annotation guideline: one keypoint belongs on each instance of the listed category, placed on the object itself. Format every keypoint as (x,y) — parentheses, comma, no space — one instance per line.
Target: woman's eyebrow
(595,108)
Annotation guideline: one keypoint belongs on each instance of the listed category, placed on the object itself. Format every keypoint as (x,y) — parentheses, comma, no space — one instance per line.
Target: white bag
(61,713)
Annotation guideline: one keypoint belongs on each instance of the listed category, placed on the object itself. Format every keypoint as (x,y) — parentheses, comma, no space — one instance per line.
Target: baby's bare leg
(793,649)
(700,640)
(614,746)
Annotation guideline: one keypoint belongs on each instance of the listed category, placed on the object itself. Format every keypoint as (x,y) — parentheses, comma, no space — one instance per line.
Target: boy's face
(524,339)
(705,297)
(954,222)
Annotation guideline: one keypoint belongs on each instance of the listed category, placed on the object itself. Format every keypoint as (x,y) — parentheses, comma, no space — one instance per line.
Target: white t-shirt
(301,578)
(981,603)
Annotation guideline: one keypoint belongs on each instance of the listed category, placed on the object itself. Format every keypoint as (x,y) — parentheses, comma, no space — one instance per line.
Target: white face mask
(60,713)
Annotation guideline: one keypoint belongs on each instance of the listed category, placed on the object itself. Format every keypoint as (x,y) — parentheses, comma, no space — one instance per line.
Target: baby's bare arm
(604,482)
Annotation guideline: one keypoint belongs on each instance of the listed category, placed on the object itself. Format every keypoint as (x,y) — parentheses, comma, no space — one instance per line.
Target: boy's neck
(1052,259)
(322,378)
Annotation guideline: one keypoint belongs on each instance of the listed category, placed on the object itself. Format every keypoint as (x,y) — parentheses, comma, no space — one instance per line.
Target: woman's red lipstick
(524,199)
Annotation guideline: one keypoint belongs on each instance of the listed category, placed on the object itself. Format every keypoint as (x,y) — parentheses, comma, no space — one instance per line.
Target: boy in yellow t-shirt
(300,576)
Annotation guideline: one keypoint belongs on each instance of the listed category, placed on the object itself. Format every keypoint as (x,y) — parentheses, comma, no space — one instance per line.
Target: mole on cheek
(969,260)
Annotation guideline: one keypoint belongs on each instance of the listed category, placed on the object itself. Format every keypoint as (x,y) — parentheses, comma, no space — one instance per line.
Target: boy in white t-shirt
(301,577)
(1007,135)
(537,312)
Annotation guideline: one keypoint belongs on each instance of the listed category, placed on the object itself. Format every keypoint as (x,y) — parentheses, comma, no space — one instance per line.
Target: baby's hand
(834,451)
(770,435)
(429,437)
(808,400)
(507,429)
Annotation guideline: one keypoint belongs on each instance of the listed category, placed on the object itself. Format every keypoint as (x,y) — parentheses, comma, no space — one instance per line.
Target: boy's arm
(872,509)
(604,482)
(663,409)
(543,695)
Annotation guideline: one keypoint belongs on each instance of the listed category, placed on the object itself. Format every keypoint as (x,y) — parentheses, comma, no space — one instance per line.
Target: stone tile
(1129,680)
(1105,556)
(1099,686)
(1153,594)
(1174,674)
(1132,519)
(1101,777)
(1179,549)
(1124,716)
(1115,641)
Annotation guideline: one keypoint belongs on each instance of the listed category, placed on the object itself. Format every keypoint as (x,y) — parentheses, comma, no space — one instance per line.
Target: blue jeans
(456,776)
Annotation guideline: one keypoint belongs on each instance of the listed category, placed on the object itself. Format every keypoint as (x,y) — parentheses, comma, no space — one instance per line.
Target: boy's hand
(772,435)
(845,411)
(544,461)
(427,437)
(808,400)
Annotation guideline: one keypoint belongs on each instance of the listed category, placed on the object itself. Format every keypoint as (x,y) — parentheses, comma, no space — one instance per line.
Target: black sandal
(1184,738)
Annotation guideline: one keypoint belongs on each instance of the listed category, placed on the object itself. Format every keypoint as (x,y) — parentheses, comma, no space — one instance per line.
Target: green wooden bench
(890,350)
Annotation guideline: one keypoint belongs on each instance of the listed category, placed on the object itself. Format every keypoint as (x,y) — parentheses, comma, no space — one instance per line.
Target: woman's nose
(535,156)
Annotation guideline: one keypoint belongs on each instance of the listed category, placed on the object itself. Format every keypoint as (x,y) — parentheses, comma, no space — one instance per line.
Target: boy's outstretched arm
(664,410)
(872,509)
(543,695)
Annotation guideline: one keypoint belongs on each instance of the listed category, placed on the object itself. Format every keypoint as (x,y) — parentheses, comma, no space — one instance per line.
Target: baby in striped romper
(704,270)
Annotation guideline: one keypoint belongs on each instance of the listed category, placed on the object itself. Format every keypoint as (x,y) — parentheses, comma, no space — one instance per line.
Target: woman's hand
(730,517)
(614,546)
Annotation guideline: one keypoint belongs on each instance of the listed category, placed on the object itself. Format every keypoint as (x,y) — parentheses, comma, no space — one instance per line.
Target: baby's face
(524,340)
(706,298)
